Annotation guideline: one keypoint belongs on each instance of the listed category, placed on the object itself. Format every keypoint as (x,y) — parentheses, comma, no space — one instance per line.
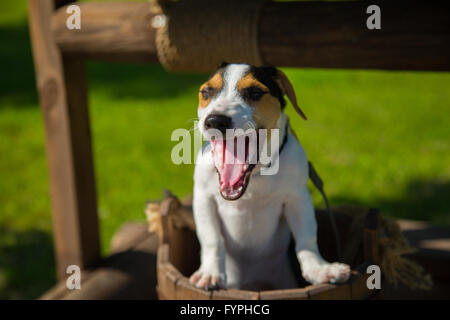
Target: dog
(244,219)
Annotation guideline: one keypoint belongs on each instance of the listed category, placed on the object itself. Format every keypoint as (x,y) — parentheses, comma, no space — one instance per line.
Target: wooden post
(62,88)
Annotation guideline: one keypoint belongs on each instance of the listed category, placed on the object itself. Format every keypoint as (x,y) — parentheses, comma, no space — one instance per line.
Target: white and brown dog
(244,219)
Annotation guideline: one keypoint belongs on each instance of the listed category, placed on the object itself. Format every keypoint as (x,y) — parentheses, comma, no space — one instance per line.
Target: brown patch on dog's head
(209,89)
(288,90)
(212,87)
(278,84)
(262,87)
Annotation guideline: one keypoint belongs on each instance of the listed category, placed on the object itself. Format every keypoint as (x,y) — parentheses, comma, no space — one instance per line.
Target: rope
(394,248)
(198,35)
(396,266)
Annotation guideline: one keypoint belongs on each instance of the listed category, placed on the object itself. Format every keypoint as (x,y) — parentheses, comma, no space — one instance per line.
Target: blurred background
(378,139)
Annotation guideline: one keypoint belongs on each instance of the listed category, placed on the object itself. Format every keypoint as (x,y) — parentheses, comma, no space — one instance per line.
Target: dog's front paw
(331,272)
(207,280)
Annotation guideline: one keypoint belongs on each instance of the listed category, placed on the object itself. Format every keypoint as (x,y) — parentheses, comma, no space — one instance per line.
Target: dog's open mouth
(234,168)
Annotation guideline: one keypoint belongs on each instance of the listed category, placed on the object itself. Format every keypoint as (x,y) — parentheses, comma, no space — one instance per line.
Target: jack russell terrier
(244,219)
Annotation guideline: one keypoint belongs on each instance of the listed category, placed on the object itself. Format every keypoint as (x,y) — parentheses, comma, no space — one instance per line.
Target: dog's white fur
(244,243)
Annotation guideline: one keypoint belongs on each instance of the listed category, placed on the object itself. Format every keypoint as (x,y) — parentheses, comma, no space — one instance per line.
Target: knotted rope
(198,35)
(394,249)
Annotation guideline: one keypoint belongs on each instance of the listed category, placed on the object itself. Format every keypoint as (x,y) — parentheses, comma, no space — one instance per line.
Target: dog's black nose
(219,122)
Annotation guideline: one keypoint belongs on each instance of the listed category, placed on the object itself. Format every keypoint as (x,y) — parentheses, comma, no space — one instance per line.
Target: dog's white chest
(250,223)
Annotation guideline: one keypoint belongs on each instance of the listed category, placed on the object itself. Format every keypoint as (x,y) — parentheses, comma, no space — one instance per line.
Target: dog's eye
(207,92)
(254,93)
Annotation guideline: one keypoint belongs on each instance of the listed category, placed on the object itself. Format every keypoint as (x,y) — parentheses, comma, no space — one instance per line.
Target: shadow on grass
(26,263)
(426,200)
(18,88)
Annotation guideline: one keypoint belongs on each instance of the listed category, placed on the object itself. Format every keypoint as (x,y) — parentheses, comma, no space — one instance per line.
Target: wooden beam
(62,92)
(414,35)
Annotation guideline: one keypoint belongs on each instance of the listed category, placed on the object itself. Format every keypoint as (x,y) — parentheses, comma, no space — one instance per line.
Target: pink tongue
(229,163)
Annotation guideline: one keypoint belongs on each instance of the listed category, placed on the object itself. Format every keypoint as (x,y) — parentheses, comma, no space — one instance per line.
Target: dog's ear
(287,89)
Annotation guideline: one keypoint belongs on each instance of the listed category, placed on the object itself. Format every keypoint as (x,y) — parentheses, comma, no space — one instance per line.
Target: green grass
(377,138)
